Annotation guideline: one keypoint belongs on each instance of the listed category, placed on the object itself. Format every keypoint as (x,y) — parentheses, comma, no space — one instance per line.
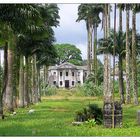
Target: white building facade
(66,75)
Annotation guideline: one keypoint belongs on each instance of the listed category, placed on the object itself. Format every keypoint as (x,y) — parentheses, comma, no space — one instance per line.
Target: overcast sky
(74,32)
(69,30)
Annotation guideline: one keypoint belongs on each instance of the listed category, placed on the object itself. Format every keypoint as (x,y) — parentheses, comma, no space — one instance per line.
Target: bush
(92,111)
(78,90)
(51,90)
(90,89)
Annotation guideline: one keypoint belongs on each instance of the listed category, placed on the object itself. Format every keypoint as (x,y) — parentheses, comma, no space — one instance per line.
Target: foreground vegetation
(54,117)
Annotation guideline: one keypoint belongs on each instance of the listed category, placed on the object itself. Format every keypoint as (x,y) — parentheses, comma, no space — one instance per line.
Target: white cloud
(69,30)
(75,33)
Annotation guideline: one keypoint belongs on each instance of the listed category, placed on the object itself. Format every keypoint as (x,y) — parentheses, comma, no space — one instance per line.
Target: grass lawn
(54,116)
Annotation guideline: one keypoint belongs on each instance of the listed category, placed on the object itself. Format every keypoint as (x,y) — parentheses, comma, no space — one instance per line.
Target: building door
(66,83)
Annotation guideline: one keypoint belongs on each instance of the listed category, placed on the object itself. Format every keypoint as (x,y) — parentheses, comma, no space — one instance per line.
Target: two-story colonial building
(66,75)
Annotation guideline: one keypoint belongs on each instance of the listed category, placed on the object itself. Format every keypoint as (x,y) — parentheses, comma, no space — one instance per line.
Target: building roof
(67,65)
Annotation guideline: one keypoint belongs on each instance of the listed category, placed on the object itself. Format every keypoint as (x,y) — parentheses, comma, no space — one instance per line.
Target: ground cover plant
(54,117)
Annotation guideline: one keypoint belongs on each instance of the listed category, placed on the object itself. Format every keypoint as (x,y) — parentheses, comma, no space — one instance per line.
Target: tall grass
(88,90)
(50,90)
(55,117)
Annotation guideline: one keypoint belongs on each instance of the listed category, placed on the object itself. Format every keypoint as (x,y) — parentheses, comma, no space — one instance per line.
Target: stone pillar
(107,114)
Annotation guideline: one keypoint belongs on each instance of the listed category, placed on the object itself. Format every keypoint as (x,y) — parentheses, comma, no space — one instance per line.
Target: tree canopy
(68,53)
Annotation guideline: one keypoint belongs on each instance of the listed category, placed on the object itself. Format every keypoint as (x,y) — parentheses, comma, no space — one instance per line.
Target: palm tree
(121,83)
(127,56)
(135,9)
(85,13)
(9,88)
(21,82)
(114,50)
(14,26)
(97,9)
(27,18)
(38,41)
(34,74)
(90,14)
(120,52)
(1,76)
(4,37)
(107,71)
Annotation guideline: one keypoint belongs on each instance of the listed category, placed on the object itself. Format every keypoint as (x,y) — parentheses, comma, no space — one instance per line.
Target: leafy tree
(68,53)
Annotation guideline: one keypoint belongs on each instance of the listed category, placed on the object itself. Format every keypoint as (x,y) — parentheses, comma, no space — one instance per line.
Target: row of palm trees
(26,37)
(124,48)
(85,12)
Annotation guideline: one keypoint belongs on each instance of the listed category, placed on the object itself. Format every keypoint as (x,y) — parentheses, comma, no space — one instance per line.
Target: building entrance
(66,83)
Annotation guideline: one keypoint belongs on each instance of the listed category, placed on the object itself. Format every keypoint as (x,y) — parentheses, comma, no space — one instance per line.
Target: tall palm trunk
(0,73)
(121,83)
(26,93)
(114,49)
(30,79)
(1,102)
(88,49)
(127,59)
(5,78)
(105,60)
(95,56)
(21,82)
(34,74)
(109,55)
(38,84)
(15,78)
(134,66)
(90,38)
(44,80)
(9,88)
(107,70)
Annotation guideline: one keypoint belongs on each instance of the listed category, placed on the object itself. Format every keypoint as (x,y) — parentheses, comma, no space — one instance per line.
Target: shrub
(90,89)
(90,122)
(51,90)
(78,90)
(91,112)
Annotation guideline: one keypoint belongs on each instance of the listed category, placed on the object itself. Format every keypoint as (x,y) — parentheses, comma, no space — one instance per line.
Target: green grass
(54,117)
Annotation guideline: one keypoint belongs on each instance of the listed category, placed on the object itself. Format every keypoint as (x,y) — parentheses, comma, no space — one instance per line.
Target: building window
(85,74)
(72,73)
(78,73)
(67,74)
(73,83)
(79,82)
(54,73)
(61,73)
(61,83)
(54,82)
